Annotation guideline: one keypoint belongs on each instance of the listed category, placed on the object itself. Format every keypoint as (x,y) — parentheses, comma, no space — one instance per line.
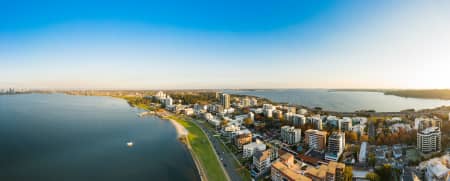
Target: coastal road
(227,158)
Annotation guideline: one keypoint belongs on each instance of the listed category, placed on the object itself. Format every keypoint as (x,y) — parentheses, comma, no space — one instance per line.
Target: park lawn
(203,150)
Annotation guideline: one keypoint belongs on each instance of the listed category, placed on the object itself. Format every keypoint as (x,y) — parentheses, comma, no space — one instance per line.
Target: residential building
(231,130)
(290,135)
(277,114)
(188,111)
(298,120)
(253,101)
(302,111)
(423,123)
(288,116)
(275,145)
(268,106)
(251,115)
(245,102)
(359,120)
(397,151)
(249,149)
(168,101)
(359,128)
(289,109)
(333,122)
(397,126)
(261,163)
(225,100)
(268,113)
(435,169)
(345,124)
(363,152)
(285,169)
(429,140)
(316,121)
(336,145)
(334,171)
(160,95)
(242,138)
(316,139)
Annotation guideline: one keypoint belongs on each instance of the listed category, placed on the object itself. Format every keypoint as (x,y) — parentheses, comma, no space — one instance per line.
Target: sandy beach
(181,131)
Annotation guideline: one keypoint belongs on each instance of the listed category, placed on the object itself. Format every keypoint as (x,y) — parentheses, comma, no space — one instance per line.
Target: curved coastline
(182,133)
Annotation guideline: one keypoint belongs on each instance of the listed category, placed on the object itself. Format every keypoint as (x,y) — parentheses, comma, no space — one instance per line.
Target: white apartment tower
(429,140)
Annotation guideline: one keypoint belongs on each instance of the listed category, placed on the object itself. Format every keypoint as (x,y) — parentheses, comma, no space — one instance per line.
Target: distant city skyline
(229,44)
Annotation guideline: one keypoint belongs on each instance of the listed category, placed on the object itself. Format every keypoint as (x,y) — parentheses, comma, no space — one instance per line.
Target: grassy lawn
(203,150)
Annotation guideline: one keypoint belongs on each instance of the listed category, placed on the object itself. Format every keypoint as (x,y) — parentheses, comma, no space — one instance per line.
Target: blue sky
(224,44)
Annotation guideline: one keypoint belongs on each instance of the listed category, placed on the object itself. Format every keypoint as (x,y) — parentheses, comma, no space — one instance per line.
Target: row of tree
(385,172)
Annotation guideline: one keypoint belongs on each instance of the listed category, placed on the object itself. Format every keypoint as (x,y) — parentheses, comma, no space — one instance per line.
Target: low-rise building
(231,130)
(331,172)
(285,169)
(397,151)
(397,126)
(435,169)
(187,111)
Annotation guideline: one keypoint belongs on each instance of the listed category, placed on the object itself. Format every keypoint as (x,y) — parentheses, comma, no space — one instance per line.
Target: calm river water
(61,137)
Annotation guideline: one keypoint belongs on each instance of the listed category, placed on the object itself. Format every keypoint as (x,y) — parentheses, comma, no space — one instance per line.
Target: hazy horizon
(225,45)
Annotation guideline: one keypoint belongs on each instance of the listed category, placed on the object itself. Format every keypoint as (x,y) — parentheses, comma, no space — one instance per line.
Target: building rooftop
(322,171)
(430,130)
(313,131)
(438,169)
(262,155)
(293,172)
(243,131)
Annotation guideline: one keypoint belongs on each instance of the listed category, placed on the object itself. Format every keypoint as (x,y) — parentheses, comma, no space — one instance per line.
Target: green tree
(371,159)
(372,176)
(385,171)
(348,173)
(248,121)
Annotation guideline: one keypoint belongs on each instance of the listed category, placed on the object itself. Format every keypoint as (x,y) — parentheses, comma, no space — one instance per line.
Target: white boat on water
(130,144)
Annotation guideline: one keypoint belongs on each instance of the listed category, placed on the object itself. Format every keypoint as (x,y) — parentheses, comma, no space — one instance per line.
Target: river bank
(198,145)
(181,131)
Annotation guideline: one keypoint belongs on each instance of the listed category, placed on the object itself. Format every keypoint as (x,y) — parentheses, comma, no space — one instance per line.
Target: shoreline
(182,134)
(181,130)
